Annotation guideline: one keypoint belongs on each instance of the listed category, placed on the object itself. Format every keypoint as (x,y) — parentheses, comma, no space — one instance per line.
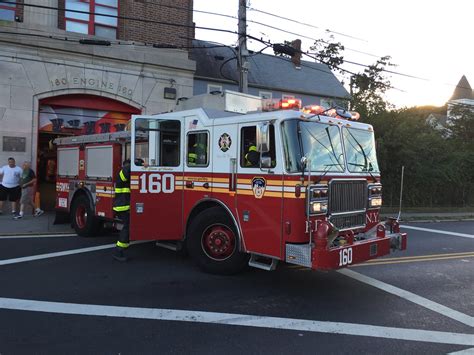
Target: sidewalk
(430,216)
(32,225)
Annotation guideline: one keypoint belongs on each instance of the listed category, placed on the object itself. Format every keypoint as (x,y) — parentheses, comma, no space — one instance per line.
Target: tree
(329,53)
(367,89)
(462,122)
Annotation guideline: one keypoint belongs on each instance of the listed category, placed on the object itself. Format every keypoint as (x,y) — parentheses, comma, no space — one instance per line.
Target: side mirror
(265,162)
(263,137)
(303,162)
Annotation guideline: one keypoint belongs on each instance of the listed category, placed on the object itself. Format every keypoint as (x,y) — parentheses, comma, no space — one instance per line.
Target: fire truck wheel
(82,216)
(213,243)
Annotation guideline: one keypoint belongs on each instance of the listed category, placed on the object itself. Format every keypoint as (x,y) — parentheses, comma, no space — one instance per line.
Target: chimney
(296,58)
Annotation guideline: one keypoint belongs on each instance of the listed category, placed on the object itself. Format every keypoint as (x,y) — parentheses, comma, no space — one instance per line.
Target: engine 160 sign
(157,183)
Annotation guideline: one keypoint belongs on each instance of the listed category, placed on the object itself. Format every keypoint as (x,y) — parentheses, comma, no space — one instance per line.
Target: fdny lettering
(156,183)
(372,217)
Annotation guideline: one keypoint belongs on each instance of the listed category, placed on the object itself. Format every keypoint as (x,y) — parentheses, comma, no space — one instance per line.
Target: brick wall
(179,12)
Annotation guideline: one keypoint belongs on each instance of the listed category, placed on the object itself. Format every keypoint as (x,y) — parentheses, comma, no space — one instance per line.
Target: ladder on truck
(123,136)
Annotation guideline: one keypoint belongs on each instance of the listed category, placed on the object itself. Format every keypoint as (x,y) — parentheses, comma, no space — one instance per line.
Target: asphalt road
(419,301)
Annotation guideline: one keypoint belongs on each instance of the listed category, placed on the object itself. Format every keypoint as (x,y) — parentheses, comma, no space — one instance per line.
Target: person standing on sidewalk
(27,183)
(10,186)
(121,206)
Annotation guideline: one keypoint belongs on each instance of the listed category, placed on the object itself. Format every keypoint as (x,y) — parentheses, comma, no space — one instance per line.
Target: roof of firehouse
(267,71)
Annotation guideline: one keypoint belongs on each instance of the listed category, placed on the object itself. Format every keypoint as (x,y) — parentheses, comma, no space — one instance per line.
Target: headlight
(317,199)
(375,202)
(318,207)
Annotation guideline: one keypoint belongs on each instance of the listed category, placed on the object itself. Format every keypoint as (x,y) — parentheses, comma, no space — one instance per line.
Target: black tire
(203,234)
(83,219)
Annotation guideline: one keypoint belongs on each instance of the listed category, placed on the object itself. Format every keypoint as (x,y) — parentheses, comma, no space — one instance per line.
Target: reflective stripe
(122,190)
(121,208)
(122,245)
(122,176)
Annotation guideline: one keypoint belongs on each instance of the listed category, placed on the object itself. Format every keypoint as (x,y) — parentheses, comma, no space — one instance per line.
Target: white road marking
(243,320)
(409,296)
(439,231)
(463,352)
(24,236)
(62,253)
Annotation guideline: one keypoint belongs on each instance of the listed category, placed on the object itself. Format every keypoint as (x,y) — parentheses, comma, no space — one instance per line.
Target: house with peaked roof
(463,95)
(269,76)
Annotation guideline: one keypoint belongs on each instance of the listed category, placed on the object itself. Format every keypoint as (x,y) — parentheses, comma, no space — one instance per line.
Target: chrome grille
(348,221)
(347,196)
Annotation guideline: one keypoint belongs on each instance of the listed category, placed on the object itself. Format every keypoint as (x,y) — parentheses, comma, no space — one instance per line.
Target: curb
(34,234)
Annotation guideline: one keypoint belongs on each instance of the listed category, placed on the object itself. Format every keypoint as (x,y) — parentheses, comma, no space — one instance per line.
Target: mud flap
(61,217)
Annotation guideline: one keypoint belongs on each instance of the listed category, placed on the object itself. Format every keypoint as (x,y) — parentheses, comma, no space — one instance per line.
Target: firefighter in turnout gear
(121,206)
(197,154)
(252,157)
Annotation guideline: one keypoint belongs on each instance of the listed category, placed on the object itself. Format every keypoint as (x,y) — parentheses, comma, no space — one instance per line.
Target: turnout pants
(124,238)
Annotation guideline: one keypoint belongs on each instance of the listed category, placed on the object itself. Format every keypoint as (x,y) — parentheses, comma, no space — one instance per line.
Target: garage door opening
(72,115)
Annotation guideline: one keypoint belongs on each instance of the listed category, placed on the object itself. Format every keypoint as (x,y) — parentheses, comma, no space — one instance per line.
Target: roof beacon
(283,104)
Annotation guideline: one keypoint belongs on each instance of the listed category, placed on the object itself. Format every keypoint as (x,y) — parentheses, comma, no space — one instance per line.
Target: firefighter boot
(119,254)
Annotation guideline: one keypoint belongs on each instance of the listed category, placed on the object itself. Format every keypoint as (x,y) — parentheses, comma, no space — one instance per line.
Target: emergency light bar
(335,113)
(281,104)
(314,109)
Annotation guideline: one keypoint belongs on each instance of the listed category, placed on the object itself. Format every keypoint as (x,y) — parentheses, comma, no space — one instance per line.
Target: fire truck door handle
(233,174)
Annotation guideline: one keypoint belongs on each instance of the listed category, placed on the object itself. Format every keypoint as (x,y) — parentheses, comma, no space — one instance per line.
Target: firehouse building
(55,84)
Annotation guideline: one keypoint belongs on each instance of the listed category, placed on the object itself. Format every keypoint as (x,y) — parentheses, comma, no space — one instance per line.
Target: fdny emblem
(225,142)
(258,186)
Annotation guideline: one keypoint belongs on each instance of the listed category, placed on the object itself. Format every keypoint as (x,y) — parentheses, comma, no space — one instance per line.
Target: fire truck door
(259,197)
(157,173)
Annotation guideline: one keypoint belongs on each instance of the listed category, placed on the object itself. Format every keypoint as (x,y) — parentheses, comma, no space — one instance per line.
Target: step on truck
(237,181)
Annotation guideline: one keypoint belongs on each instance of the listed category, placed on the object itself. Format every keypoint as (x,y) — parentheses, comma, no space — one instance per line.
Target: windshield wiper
(326,170)
(332,147)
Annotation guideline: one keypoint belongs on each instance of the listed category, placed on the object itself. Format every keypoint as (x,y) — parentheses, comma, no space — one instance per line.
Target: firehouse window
(197,149)
(157,142)
(91,21)
(7,10)
(249,157)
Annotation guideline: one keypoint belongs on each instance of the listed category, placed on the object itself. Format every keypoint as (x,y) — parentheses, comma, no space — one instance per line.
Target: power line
(310,38)
(305,24)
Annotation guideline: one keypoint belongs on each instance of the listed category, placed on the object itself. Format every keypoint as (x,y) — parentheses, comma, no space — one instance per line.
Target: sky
(432,40)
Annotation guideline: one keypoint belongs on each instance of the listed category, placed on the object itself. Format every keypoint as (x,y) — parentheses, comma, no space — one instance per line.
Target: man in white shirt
(10,186)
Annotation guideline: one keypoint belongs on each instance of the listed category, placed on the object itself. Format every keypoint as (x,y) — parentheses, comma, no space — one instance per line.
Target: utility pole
(243,52)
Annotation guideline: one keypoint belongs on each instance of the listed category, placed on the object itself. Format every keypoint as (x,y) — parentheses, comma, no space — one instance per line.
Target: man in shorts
(10,186)
(27,183)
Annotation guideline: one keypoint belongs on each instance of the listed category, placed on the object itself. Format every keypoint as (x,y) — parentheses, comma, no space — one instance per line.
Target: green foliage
(438,171)
(329,53)
(369,87)
(439,167)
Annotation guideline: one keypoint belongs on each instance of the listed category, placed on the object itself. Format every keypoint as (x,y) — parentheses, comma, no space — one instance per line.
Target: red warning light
(314,109)
(287,104)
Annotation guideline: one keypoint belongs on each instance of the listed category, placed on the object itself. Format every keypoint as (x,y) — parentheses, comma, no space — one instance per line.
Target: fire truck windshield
(360,150)
(328,148)
(322,146)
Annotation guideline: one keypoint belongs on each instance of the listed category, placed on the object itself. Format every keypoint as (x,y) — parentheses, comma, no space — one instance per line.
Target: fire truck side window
(197,149)
(157,142)
(249,157)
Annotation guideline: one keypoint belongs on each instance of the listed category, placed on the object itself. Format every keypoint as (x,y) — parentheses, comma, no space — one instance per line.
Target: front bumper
(358,252)
(351,254)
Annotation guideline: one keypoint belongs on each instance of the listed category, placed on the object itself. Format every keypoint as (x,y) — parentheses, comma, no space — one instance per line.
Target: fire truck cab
(239,187)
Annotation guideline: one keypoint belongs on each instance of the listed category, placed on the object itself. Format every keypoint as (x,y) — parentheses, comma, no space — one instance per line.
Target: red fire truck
(237,186)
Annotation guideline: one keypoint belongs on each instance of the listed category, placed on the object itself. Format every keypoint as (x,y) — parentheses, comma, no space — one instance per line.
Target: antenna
(401,194)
